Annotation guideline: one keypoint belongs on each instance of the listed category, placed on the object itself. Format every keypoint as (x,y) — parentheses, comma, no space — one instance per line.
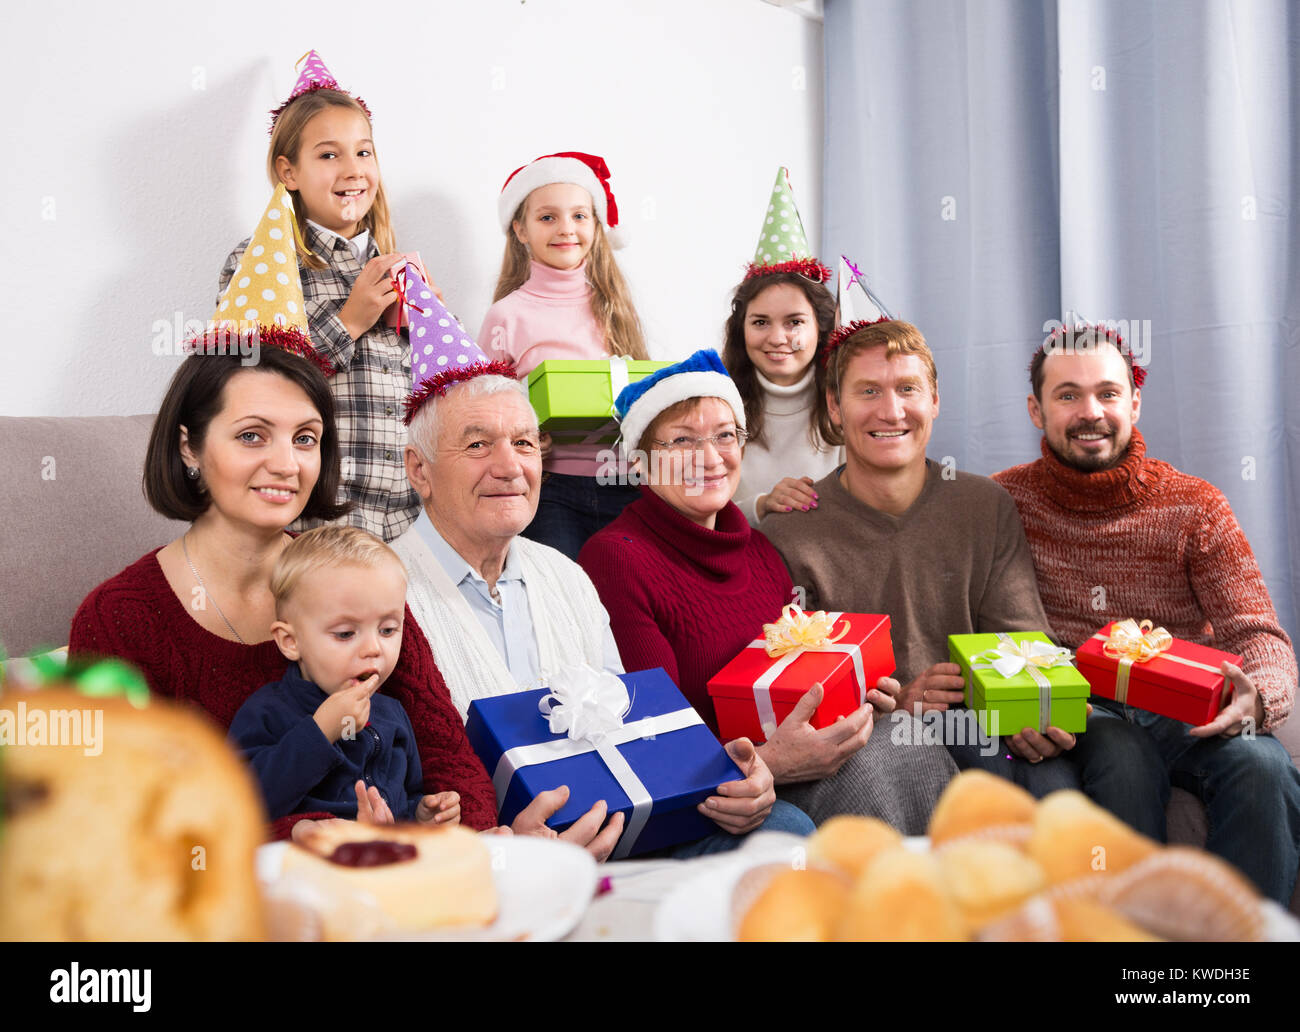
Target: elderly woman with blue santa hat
(688,583)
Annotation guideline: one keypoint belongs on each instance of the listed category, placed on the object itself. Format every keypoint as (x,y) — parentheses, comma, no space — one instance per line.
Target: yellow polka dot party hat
(264,296)
(782,243)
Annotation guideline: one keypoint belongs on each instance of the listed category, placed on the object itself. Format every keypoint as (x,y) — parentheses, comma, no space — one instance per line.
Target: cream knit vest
(566,611)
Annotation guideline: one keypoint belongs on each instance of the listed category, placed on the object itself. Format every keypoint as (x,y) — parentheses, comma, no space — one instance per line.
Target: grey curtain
(992,164)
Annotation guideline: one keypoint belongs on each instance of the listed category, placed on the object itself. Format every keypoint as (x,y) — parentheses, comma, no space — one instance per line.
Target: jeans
(571,509)
(1129,758)
(1038,779)
(784,817)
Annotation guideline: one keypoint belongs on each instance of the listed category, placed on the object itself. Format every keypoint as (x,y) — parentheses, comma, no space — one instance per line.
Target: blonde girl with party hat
(561,295)
(322,149)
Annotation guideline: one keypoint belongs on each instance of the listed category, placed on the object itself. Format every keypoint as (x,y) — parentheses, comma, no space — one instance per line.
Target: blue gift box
(679,769)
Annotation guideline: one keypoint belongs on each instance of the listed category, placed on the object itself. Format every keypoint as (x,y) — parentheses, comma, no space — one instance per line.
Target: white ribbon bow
(584,703)
(1011,657)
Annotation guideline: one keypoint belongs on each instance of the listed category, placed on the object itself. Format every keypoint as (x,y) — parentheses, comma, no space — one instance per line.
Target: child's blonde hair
(286,141)
(611,301)
(326,546)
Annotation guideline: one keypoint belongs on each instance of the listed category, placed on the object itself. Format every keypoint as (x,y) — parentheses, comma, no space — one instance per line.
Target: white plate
(543,887)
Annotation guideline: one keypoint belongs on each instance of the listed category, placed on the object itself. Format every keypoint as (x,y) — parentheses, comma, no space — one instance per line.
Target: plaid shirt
(372,380)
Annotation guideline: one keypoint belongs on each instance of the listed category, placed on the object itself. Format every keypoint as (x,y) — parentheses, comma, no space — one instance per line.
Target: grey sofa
(72,514)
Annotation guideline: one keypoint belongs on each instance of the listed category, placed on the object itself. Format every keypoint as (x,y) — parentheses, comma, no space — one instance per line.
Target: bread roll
(147,832)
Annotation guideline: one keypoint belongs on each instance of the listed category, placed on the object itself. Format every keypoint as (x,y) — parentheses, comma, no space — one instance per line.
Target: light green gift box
(574,399)
(1036,687)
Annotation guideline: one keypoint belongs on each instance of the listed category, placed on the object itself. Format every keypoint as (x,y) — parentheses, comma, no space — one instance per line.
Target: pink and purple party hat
(313,76)
(442,353)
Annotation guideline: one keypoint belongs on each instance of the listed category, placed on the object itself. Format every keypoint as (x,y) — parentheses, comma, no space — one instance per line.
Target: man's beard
(1091,463)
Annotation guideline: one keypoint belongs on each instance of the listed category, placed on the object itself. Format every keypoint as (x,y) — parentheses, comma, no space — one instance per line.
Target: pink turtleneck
(548,317)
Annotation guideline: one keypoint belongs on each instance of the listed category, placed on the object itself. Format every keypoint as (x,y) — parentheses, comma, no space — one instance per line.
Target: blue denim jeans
(784,817)
(1129,758)
(1038,779)
(571,509)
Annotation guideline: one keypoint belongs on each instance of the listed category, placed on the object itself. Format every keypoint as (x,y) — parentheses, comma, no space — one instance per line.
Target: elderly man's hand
(586,831)
(741,806)
(797,751)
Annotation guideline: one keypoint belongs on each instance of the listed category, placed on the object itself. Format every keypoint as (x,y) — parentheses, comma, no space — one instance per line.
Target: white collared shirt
(507,619)
(359,244)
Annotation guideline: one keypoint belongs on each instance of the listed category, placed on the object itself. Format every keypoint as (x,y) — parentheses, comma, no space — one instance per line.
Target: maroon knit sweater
(1143,540)
(683,597)
(137,617)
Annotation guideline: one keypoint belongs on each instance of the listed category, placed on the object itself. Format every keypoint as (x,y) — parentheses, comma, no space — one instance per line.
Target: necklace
(207,596)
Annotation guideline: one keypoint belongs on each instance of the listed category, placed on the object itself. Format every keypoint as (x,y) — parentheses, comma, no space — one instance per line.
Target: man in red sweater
(1116,534)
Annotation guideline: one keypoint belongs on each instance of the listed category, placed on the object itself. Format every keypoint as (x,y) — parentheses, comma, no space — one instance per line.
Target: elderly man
(942,552)
(1117,534)
(499,609)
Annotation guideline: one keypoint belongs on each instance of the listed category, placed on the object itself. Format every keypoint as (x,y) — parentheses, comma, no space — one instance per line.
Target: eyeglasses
(723,441)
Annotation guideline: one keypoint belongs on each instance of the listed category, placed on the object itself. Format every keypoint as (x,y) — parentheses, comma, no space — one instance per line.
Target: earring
(192,472)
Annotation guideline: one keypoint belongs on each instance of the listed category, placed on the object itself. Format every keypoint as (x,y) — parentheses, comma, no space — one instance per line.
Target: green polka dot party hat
(783,244)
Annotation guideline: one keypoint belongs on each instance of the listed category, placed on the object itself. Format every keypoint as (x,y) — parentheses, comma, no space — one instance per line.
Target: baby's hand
(371,294)
(440,809)
(371,808)
(346,711)
(545,445)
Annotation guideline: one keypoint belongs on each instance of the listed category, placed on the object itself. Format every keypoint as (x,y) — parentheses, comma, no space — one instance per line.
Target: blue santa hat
(701,376)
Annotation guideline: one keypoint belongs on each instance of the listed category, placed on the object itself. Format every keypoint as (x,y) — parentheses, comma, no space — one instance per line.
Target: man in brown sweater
(1117,534)
(942,552)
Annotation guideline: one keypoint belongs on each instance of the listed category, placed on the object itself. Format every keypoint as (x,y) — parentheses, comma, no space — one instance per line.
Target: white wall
(139,141)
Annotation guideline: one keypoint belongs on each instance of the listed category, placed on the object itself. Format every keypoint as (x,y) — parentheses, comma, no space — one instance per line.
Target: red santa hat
(588,171)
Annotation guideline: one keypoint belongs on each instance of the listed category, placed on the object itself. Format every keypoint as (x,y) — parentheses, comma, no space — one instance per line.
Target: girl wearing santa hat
(561,296)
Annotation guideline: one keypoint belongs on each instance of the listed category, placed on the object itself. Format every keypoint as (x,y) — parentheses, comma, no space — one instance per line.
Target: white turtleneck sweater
(786,450)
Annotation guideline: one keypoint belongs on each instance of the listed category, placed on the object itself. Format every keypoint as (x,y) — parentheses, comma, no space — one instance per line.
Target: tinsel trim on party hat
(439,382)
(843,333)
(809,268)
(1106,333)
(226,339)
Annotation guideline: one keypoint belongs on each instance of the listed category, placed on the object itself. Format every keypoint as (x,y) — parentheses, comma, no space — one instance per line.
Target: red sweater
(137,617)
(683,597)
(1143,540)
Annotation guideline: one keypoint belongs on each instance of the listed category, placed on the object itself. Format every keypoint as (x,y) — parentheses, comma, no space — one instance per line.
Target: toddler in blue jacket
(320,738)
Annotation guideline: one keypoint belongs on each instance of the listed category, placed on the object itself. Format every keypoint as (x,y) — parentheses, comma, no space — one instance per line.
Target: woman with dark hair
(781,317)
(241,451)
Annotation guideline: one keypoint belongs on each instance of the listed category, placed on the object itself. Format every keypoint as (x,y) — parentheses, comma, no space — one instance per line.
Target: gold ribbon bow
(799,630)
(1137,643)
(1131,642)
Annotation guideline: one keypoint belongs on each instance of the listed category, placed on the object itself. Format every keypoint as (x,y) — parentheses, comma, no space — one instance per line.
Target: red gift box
(1182,681)
(855,654)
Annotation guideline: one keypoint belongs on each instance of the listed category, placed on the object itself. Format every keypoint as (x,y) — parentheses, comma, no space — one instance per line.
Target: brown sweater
(955,563)
(1143,540)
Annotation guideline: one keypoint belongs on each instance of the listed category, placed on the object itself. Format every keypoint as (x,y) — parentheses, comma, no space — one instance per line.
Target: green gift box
(574,399)
(1019,679)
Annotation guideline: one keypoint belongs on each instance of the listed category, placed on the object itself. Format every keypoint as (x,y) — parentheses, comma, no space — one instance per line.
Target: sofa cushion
(73,513)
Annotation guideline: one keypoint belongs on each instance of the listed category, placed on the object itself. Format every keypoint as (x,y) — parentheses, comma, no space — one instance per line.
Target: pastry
(1047,919)
(399,878)
(901,898)
(1190,895)
(849,843)
(988,879)
(978,803)
(1073,837)
(141,825)
(793,905)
